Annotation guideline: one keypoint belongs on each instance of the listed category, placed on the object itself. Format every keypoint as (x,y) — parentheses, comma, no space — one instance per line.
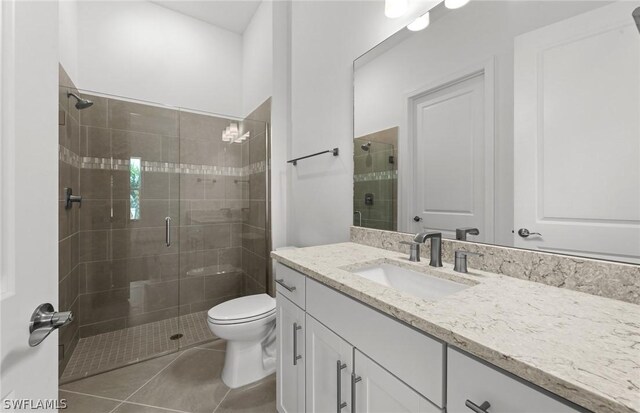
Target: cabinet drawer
(291,284)
(413,357)
(473,380)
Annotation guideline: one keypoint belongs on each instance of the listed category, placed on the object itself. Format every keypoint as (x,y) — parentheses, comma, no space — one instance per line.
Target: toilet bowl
(248,324)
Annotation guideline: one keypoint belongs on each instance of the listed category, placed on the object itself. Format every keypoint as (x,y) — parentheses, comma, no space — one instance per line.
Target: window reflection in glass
(135,184)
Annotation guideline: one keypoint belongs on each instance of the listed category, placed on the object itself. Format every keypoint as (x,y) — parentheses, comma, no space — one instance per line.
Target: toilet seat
(243,310)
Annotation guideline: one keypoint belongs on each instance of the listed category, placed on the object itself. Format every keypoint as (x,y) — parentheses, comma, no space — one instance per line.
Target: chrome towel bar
(334,151)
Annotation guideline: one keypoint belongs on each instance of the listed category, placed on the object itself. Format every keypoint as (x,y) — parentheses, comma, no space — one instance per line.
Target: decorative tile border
(614,280)
(375,176)
(84,162)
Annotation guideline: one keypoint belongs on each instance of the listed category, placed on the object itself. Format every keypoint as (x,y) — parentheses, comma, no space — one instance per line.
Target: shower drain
(176,336)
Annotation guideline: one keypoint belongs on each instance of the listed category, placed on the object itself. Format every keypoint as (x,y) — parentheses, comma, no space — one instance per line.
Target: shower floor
(103,352)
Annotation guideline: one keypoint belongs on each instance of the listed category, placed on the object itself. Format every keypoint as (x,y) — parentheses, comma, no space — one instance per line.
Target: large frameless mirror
(515,123)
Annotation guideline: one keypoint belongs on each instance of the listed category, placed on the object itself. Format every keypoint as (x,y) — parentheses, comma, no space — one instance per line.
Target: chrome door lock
(44,320)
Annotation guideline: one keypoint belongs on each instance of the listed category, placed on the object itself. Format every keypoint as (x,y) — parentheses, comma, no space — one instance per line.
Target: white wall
(144,51)
(68,36)
(280,123)
(325,39)
(257,58)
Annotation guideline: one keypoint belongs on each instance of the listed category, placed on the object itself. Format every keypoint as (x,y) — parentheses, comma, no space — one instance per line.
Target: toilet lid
(243,308)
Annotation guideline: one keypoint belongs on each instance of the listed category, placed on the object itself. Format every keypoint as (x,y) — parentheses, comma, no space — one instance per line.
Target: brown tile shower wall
(256,231)
(69,220)
(128,276)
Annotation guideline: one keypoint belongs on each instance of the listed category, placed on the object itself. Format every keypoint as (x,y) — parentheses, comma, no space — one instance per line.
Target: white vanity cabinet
(329,366)
(470,383)
(290,323)
(341,378)
(378,391)
(336,354)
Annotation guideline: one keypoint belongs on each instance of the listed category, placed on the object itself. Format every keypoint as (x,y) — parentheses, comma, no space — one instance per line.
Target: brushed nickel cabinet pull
(296,356)
(287,287)
(339,367)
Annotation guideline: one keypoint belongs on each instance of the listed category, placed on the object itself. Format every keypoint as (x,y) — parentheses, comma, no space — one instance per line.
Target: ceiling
(233,15)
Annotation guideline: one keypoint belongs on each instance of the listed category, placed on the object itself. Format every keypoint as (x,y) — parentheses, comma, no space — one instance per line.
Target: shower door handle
(167,231)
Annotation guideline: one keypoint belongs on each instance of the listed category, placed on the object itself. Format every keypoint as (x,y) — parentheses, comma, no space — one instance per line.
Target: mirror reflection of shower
(81,103)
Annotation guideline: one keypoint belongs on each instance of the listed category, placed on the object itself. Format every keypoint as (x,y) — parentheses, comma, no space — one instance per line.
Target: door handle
(296,356)
(478,409)
(167,231)
(525,233)
(417,218)
(44,320)
(354,380)
(339,367)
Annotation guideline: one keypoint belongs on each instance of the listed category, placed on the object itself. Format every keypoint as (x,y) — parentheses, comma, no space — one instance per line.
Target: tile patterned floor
(119,348)
(188,381)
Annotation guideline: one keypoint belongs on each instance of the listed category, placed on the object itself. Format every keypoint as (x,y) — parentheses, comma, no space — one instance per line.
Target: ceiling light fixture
(455,4)
(232,135)
(395,8)
(419,23)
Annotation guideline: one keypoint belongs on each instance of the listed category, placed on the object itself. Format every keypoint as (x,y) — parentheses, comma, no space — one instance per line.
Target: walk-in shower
(137,166)
(375,180)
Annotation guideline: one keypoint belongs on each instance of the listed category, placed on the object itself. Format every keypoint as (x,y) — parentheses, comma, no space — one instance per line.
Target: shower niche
(172,221)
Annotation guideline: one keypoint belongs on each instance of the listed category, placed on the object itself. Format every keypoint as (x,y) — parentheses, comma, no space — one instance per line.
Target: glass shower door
(126,155)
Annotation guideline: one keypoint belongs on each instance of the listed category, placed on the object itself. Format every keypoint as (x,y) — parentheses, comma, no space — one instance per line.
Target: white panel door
(378,391)
(329,366)
(290,388)
(28,198)
(453,173)
(577,135)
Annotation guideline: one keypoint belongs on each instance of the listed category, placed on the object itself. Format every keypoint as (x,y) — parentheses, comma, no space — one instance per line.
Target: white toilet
(248,324)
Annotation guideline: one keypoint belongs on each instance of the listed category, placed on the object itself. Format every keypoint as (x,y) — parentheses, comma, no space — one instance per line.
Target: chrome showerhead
(81,103)
(365,146)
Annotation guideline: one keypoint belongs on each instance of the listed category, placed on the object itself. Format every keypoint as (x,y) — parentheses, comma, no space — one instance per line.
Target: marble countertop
(581,347)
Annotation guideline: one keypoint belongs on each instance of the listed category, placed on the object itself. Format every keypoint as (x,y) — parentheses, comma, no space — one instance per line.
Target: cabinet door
(378,391)
(291,358)
(471,382)
(329,366)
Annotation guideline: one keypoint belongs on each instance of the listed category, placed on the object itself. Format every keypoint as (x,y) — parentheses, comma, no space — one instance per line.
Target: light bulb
(420,23)
(395,8)
(455,4)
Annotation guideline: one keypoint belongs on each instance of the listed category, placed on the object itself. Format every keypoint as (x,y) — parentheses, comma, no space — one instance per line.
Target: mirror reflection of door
(454,179)
(577,129)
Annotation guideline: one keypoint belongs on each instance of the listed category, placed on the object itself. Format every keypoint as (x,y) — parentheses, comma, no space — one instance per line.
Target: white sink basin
(411,282)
